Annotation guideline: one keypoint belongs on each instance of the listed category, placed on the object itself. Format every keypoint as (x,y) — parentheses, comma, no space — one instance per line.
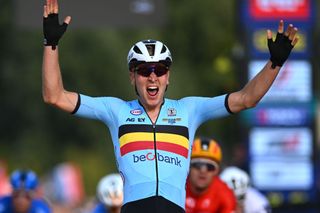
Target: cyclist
(23,198)
(110,194)
(152,135)
(206,192)
(250,200)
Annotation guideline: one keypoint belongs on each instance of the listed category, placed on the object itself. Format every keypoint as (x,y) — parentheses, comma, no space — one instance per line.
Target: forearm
(256,88)
(52,86)
(53,91)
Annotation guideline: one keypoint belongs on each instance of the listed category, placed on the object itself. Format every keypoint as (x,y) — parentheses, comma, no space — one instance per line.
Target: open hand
(52,30)
(280,49)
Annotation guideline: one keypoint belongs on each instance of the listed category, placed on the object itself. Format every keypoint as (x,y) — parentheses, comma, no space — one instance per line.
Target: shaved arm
(53,91)
(256,88)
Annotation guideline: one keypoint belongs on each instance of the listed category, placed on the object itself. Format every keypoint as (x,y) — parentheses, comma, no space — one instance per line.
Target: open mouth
(152,91)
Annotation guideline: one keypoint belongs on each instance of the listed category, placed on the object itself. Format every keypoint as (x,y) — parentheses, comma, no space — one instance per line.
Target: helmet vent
(164,49)
(150,48)
(234,183)
(137,50)
(205,144)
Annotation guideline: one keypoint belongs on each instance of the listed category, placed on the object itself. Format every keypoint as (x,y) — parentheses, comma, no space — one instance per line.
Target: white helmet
(149,51)
(237,180)
(110,190)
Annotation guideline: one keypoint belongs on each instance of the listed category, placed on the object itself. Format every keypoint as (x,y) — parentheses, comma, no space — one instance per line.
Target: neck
(197,190)
(152,111)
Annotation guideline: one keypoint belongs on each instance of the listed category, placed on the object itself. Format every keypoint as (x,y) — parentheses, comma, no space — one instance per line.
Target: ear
(132,79)
(168,77)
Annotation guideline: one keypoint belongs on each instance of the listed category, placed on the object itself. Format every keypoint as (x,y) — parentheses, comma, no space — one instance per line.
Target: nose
(152,77)
(203,168)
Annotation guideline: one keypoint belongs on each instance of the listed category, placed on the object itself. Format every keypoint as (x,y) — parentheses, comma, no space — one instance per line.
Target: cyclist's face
(150,88)
(202,173)
(21,201)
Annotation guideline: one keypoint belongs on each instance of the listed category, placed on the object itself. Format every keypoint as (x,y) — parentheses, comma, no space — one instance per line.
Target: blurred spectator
(205,191)
(110,194)
(64,188)
(250,200)
(23,197)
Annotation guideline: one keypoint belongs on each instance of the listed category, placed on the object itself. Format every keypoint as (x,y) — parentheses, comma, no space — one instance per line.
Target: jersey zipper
(156,157)
(154,124)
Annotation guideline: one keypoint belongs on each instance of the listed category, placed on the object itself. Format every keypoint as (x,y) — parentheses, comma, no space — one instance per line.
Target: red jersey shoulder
(217,198)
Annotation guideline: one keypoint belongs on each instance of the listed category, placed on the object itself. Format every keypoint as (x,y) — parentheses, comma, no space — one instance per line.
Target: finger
(289,30)
(293,33)
(295,41)
(49,6)
(67,20)
(55,6)
(45,12)
(269,34)
(47,3)
(281,26)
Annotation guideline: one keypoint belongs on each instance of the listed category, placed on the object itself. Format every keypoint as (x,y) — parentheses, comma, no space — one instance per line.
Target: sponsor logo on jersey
(172,112)
(190,202)
(136,112)
(141,120)
(171,120)
(137,137)
(160,157)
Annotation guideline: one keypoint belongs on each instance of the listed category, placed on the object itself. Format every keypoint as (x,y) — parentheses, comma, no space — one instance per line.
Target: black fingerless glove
(52,30)
(279,49)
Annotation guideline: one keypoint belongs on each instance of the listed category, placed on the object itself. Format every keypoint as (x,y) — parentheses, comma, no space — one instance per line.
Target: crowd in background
(62,189)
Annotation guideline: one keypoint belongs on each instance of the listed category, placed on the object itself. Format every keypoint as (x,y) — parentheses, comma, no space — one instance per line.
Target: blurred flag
(65,186)
(5,187)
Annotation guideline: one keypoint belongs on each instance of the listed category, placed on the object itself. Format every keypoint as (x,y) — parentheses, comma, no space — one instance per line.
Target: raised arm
(53,91)
(256,88)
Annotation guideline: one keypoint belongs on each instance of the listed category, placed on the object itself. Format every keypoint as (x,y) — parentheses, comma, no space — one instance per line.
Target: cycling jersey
(218,198)
(153,158)
(37,205)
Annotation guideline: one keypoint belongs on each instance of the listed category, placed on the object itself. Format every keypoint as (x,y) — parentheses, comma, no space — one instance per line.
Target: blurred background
(216,46)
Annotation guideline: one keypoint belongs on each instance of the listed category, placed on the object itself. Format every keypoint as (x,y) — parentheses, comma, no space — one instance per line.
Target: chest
(169,132)
(204,204)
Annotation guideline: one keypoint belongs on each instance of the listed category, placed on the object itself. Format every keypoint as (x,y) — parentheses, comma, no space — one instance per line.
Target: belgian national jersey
(153,158)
